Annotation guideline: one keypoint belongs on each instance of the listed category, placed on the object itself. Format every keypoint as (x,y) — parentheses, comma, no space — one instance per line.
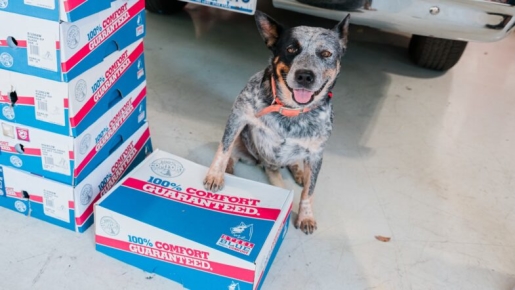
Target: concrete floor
(425,158)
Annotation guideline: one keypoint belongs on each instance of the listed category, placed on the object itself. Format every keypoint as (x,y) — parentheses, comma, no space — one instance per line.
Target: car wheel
(164,6)
(435,53)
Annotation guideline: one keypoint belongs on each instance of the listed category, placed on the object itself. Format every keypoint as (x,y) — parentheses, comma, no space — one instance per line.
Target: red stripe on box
(215,268)
(70,5)
(214,205)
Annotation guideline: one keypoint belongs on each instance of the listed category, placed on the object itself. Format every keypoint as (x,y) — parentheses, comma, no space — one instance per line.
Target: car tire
(164,6)
(435,53)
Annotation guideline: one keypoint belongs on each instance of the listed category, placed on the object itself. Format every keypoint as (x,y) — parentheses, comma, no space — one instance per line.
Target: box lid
(166,192)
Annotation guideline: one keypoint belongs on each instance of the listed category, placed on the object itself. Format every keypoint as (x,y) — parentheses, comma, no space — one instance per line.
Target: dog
(284,115)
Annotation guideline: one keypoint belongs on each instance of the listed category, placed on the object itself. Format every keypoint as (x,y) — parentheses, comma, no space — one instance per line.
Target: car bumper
(467,20)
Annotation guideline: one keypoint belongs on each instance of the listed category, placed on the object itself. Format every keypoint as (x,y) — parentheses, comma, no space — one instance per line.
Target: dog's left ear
(269,29)
(342,29)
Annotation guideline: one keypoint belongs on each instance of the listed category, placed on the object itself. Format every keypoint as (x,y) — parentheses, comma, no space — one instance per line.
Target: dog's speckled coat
(276,141)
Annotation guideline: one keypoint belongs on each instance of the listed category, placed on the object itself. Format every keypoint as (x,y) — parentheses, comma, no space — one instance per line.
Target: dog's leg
(214,180)
(296,172)
(306,219)
(239,153)
(275,177)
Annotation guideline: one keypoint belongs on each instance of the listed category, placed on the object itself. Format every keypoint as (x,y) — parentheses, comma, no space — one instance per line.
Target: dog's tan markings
(306,219)
(230,166)
(276,60)
(275,177)
(296,172)
(282,68)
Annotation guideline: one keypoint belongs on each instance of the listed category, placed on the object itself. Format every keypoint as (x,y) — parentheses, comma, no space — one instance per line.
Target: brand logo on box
(81,89)
(4,3)
(20,206)
(243,231)
(6,59)
(234,244)
(16,161)
(84,144)
(73,37)
(234,286)
(8,112)
(167,167)
(22,134)
(110,226)
(86,194)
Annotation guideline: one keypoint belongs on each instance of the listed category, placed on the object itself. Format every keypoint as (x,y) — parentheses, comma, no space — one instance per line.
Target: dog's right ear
(269,29)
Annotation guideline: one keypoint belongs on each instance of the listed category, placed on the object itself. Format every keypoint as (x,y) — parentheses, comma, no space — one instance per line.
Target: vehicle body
(440,28)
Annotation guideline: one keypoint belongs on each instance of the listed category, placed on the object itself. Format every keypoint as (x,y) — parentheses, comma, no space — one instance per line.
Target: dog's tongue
(302,96)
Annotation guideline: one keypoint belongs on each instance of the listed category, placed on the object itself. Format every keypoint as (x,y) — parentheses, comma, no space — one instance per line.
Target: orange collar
(277,105)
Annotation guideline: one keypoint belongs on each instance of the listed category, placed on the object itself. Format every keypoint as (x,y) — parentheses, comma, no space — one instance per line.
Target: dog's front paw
(308,225)
(214,181)
(306,219)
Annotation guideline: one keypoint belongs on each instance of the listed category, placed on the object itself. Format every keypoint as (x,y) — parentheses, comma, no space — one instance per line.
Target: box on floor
(69,206)
(62,50)
(68,159)
(70,108)
(160,219)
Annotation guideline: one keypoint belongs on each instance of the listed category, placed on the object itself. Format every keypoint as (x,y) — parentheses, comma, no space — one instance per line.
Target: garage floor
(425,158)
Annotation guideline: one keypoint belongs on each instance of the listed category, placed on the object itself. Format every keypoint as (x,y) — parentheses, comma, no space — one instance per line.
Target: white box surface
(160,219)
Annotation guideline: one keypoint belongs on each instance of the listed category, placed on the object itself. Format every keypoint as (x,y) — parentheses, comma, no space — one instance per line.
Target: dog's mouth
(303,96)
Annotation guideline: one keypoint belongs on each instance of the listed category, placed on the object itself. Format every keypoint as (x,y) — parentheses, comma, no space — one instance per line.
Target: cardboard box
(56,10)
(70,108)
(69,206)
(161,219)
(67,159)
(63,50)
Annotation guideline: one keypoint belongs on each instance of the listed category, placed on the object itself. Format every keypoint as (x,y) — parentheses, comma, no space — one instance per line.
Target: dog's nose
(304,77)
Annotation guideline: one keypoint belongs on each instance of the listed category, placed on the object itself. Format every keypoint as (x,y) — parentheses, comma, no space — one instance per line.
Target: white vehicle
(440,29)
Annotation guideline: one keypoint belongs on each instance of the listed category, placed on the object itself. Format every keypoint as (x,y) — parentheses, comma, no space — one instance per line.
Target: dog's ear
(342,29)
(269,29)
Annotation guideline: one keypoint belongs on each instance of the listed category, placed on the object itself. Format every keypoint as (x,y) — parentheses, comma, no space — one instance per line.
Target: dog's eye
(292,49)
(326,53)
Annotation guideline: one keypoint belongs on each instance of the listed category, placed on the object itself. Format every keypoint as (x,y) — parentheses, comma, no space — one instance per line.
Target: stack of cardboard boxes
(72,102)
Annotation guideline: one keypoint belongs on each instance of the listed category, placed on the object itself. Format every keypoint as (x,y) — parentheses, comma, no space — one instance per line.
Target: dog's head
(306,60)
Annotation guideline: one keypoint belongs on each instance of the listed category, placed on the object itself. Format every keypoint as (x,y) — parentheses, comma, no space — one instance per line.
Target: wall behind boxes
(72,105)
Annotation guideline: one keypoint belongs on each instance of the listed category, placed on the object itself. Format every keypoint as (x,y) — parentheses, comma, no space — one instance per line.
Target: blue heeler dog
(284,115)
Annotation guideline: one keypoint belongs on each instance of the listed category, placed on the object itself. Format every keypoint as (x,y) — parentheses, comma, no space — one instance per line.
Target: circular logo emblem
(86,194)
(8,112)
(110,226)
(4,3)
(6,59)
(80,90)
(167,167)
(84,144)
(73,37)
(20,206)
(16,161)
